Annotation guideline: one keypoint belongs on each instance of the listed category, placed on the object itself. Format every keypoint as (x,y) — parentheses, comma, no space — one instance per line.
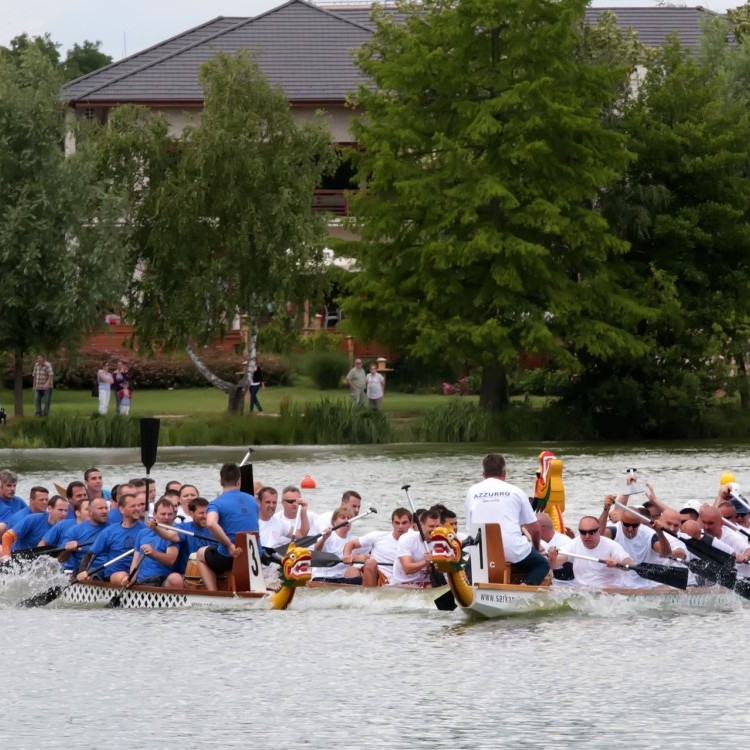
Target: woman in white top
(334,541)
(104,379)
(375,387)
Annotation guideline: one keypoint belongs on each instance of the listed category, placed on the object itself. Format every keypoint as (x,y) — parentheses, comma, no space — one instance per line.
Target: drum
(193,578)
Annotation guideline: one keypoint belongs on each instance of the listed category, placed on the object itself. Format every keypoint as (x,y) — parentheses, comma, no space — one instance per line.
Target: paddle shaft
(741,500)
(306,541)
(741,529)
(187,533)
(436,577)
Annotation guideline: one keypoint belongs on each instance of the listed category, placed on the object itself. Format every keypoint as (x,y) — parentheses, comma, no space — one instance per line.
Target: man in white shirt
(412,564)
(291,498)
(269,524)
(592,543)
(549,537)
(496,501)
(351,500)
(382,547)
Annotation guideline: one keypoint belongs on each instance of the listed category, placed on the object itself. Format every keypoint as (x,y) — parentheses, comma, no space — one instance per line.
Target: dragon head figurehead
(549,491)
(446,549)
(296,567)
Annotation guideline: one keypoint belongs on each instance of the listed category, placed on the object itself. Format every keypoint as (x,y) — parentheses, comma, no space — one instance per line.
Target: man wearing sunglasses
(591,543)
(642,542)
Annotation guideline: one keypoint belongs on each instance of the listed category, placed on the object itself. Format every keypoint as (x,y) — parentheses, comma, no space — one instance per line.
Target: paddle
(741,529)
(445,602)
(48,596)
(714,565)
(116,600)
(149,444)
(31,553)
(666,574)
(247,482)
(186,532)
(306,541)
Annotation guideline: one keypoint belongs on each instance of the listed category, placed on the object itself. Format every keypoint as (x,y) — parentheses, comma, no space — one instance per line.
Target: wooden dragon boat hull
(333,595)
(99,594)
(503,600)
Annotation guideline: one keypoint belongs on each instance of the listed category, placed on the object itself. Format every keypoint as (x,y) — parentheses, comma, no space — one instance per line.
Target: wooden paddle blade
(669,576)
(325,559)
(446,602)
(46,597)
(149,441)
(247,483)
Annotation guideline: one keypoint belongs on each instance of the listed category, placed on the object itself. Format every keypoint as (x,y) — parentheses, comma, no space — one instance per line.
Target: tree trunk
(18,384)
(493,394)
(235,391)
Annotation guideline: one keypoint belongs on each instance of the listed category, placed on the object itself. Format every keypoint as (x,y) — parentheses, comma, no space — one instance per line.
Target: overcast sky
(129,26)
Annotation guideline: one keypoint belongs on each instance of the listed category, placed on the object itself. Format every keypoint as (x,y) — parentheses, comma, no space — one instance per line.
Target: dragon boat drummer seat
(488,563)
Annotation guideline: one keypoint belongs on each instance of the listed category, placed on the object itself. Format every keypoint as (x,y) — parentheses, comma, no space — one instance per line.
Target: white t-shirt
(375,382)
(322,522)
(334,544)
(595,573)
(409,544)
(286,526)
(495,501)
(558,541)
(383,547)
(639,547)
(270,532)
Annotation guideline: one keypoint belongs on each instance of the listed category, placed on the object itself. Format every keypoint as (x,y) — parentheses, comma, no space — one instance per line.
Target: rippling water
(350,671)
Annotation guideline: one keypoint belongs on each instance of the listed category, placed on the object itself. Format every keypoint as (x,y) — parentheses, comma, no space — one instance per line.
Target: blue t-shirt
(84,533)
(111,543)
(9,507)
(189,544)
(54,536)
(114,516)
(19,515)
(151,568)
(30,530)
(237,511)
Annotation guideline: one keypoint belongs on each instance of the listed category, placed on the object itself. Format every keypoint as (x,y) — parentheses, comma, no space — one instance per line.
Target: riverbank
(305,416)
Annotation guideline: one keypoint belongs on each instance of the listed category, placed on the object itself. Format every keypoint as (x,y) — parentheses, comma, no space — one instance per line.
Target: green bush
(336,421)
(321,341)
(326,369)
(159,371)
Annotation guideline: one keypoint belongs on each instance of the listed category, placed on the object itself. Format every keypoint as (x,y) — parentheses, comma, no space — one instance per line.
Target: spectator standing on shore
(124,395)
(104,380)
(119,380)
(356,380)
(256,383)
(375,387)
(42,377)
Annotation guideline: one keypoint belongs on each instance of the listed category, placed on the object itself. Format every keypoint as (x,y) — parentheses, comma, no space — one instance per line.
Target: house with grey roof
(305,49)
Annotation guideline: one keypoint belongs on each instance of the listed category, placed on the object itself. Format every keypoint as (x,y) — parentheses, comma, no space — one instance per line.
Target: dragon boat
(496,589)
(244,587)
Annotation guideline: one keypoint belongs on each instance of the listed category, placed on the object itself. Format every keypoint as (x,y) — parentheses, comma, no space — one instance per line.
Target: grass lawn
(187,401)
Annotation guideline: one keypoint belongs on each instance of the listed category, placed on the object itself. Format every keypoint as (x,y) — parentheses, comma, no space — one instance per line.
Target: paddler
(30,529)
(590,542)
(158,567)
(549,536)
(640,541)
(413,563)
(84,534)
(333,541)
(229,514)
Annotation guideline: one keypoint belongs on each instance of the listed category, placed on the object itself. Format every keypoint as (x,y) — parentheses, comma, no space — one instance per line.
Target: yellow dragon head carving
(446,549)
(296,567)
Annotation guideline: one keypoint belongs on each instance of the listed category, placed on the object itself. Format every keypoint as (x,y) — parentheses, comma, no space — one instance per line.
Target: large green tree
(683,206)
(59,234)
(483,155)
(79,60)
(222,223)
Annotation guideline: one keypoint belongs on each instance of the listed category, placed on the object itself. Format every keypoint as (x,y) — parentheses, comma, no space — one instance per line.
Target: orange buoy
(307,483)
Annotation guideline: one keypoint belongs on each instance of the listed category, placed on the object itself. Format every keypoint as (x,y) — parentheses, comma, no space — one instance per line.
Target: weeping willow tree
(222,223)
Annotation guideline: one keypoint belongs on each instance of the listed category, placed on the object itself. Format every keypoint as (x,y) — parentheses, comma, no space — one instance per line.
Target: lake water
(364,673)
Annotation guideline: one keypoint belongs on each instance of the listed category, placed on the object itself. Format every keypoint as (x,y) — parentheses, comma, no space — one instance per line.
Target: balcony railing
(331,202)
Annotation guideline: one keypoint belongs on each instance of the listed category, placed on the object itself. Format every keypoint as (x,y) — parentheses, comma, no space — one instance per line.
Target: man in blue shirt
(30,529)
(95,484)
(229,514)
(38,499)
(84,534)
(55,536)
(115,540)
(157,569)
(10,503)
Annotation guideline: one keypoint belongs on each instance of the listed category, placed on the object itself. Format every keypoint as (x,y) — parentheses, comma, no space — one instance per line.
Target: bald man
(712,522)
(549,537)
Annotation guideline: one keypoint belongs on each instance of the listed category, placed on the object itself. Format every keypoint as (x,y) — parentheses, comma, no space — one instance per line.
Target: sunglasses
(586,532)
(631,525)
(291,502)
